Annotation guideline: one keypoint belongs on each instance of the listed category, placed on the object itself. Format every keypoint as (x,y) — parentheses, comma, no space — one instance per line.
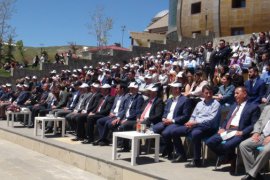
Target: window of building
(238,3)
(196,32)
(196,8)
(237,31)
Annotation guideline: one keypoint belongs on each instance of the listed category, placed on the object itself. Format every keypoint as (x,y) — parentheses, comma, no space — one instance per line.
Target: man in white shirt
(240,119)
(260,138)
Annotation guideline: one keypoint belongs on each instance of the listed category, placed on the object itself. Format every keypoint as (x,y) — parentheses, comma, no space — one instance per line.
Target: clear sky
(57,22)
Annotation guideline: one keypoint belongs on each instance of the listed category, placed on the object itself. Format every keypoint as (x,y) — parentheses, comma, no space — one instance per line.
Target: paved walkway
(17,162)
(164,169)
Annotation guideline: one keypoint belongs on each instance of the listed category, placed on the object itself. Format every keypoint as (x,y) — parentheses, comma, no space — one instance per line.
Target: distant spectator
(264,62)
(262,46)
(255,86)
(57,58)
(35,61)
(222,53)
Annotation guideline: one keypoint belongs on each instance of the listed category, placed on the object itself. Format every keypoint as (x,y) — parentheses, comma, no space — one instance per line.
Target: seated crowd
(180,93)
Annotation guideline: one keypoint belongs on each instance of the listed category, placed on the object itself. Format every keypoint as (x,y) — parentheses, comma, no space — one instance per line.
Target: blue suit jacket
(256,93)
(182,111)
(135,108)
(249,116)
(23,97)
(121,110)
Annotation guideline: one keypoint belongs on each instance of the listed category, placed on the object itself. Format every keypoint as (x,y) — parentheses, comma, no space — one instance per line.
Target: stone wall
(46,68)
(171,45)
(232,39)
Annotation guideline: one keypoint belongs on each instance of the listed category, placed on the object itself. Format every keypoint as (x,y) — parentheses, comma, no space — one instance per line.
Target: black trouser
(90,125)
(209,71)
(70,119)
(127,126)
(80,128)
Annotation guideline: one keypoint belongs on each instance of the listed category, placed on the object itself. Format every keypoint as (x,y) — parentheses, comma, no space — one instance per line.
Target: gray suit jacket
(264,118)
(82,102)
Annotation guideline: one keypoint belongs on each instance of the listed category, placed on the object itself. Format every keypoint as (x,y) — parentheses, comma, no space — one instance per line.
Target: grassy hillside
(31,52)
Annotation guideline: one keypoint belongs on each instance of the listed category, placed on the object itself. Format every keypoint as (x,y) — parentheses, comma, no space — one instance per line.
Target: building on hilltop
(188,18)
(223,18)
(155,32)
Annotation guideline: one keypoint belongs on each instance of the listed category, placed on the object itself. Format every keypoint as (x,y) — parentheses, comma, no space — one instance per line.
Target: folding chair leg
(237,160)
(203,153)
(217,163)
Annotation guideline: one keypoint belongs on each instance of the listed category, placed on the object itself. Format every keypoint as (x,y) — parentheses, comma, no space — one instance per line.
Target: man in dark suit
(112,121)
(23,96)
(84,95)
(63,98)
(132,112)
(102,110)
(203,123)
(153,108)
(255,86)
(221,55)
(71,103)
(91,104)
(177,112)
(239,121)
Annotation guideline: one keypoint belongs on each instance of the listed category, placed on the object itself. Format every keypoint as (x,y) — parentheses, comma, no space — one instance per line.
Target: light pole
(123,31)
(206,24)
(206,18)
(41,45)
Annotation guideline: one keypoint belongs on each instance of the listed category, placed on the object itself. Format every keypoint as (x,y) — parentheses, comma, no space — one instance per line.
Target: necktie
(89,101)
(232,116)
(100,105)
(146,110)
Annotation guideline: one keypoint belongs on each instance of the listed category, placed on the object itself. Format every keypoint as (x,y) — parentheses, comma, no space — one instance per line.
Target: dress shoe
(77,139)
(179,159)
(222,160)
(194,164)
(248,177)
(166,154)
(48,131)
(95,143)
(87,142)
(170,156)
(103,143)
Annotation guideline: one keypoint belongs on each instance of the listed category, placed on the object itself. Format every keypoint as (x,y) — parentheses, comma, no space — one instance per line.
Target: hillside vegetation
(31,52)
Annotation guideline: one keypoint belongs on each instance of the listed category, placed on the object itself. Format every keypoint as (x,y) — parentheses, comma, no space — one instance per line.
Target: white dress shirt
(236,119)
(170,114)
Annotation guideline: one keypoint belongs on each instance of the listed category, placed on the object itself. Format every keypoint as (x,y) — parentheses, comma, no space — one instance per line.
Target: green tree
(6,11)
(20,48)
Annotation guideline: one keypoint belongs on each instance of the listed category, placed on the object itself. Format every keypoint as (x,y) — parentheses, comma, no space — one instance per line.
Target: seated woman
(236,75)
(225,95)
(219,72)
(196,87)
(182,78)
